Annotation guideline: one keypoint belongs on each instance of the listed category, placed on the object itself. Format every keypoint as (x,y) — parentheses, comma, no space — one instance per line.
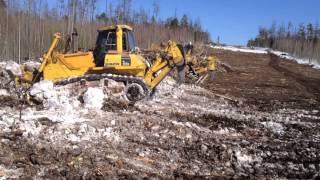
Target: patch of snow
(110,135)
(73,138)
(55,97)
(177,123)
(6,120)
(94,98)
(275,127)
(243,158)
(54,115)
(29,127)
(10,173)
(32,65)
(227,131)
(42,89)
(166,88)
(2,64)
(4,93)
(44,92)
(13,69)
(115,88)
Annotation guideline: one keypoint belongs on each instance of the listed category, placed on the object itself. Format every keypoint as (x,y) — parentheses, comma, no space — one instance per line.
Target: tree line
(27,26)
(302,40)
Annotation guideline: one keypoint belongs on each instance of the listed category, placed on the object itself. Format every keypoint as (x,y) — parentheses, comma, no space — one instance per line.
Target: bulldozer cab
(115,49)
(113,40)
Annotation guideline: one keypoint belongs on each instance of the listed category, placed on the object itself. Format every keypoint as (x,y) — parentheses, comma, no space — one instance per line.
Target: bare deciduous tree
(27,26)
(302,41)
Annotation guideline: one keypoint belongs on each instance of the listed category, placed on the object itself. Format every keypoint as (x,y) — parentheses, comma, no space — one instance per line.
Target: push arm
(163,65)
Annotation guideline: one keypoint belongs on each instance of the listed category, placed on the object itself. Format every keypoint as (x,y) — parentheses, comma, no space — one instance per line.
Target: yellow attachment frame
(212,61)
(162,67)
(47,56)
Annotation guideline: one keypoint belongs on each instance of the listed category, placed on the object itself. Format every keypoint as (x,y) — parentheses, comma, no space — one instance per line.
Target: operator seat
(106,41)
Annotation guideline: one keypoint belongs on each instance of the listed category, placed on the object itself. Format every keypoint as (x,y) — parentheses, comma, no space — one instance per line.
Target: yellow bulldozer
(115,56)
(198,66)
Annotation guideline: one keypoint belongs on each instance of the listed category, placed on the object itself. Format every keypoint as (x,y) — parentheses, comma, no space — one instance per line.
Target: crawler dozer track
(132,92)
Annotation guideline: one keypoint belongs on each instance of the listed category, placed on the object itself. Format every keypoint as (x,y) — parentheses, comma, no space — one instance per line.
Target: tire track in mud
(312,85)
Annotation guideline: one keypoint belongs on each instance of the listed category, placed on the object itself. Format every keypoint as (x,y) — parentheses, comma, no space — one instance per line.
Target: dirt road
(266,81)
(312,85)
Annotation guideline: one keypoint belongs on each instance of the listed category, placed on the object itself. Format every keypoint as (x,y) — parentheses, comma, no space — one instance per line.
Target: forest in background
(302,41)
(27,26)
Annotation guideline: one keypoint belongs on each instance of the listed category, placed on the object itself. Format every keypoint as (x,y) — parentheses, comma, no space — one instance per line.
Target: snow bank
(70,96)
(284,55)
(242,49)
(62,117)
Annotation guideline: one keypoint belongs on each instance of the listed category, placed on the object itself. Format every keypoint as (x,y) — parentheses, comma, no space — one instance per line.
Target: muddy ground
(266,126)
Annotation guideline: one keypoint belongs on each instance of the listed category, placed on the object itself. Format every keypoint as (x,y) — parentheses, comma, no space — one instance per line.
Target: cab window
(111,43)
(107,40)
(131,41)
(128,41)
